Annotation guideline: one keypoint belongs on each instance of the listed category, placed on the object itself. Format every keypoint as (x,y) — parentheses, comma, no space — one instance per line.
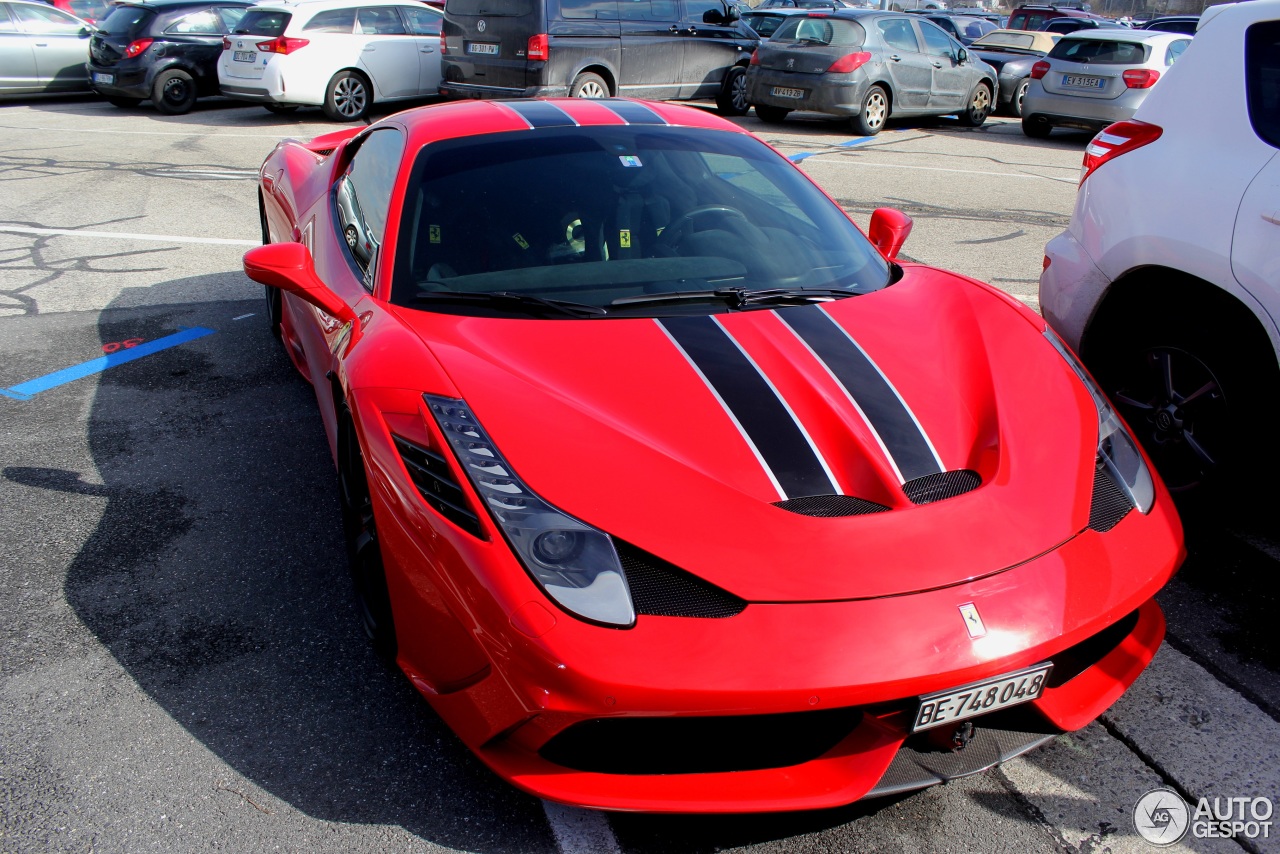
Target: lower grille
(661,589)
(939,487)
(701,745)
(830,506)
(1109,504)
(1071,662)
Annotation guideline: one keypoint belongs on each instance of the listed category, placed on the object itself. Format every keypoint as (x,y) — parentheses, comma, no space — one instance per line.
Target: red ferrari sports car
(672,491)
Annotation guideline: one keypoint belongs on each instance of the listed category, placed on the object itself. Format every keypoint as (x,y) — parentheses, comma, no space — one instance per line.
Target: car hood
(680,435)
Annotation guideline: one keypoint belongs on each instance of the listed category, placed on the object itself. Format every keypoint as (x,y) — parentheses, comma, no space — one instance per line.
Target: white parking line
(204,131)
(119,235)
(579,831)
(847,161)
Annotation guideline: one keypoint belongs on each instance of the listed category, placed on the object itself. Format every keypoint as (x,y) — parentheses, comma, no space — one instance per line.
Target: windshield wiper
(510,300)
(741,298)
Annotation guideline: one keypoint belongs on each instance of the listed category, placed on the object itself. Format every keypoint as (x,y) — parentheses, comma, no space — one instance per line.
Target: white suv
(340,55)
(1167,281)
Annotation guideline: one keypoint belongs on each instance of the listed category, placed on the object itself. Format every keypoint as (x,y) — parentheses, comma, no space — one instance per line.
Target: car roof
(324,5)
(161,5)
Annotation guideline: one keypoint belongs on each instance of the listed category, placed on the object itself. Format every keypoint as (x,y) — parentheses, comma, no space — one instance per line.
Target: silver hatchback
(1092,79)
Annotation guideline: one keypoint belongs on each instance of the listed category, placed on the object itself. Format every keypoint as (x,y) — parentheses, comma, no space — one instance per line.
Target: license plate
(779,92)
(482,47)
(956,704)
(107,79)
(1082,82)
(245,56)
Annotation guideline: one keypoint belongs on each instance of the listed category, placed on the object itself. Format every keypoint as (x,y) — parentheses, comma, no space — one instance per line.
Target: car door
(711,47)
(17,56)
(425,23)
(60,43)
(1254,259)
(910,70)
(951,81)
(652,50)
(388,52)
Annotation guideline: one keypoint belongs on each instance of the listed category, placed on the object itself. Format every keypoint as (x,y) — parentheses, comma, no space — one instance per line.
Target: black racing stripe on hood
(886,413)
(765,421)
(541,114)
(633,113)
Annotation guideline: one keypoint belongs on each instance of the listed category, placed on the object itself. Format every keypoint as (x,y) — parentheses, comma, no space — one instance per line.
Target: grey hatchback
(867,65)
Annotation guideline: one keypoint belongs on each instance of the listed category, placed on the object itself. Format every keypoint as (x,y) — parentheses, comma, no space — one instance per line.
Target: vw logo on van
(481,26)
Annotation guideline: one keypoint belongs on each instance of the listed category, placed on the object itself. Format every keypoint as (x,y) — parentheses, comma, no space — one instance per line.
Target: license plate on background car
(779,92)
(245,56)
(956,704)
(482,47)
(1082,82)
(99,77)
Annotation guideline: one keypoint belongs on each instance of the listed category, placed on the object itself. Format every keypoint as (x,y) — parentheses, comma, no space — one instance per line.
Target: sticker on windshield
(630,160)
(624,238)
(519,239)
(433,232)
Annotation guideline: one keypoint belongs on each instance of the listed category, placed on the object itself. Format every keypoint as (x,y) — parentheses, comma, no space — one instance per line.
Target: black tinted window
(205,23)
(764,25)
(424,21)
(263,22)
(648,10)
(332,21)
(1262,79)
(490,8)
(1099,51)
(704,11)
(606,10)
(936,42)
(126,22)
(897,33)
(363,195)
(824,31)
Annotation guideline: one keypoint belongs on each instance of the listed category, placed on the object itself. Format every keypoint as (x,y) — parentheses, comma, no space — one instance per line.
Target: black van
(660,49)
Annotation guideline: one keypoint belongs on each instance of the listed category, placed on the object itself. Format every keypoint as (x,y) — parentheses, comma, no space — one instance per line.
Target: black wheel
(1036,127)
(174,92)
(281,109)
(875,111)
(588,85)
(732,100)
(348,97)
(364,554)
(1015,103)
(122,102)
(275,309)
(978,107)
(771,115)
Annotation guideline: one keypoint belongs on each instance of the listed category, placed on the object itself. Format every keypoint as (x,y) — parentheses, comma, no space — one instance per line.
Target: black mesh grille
(435,482)
(660,589)
(830,506)
(701,745)
(1110,504)
(1071,662)
(938,487)
(323,152)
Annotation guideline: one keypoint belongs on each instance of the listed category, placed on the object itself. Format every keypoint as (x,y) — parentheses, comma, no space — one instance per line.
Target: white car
(1167,281)
(340,55)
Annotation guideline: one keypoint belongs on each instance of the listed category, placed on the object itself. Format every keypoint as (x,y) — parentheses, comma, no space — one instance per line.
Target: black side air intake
(435,481)
(1109,504)
(830,506)
(939,487)
(661,589)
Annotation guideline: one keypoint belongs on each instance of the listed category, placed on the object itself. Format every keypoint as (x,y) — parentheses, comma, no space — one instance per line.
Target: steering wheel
(751,248)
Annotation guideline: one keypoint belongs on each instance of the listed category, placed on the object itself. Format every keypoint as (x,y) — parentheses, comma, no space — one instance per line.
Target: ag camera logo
(1161,817)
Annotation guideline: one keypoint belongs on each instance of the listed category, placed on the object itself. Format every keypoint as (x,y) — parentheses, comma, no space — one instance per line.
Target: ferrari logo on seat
(972,620)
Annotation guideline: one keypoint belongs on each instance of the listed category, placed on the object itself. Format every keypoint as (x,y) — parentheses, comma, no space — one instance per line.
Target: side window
(936,42)
(363,196)
(704,11)
(423,22)
(6,23)
(604,10)
(1262,79)
(380,21)
(1175,51)
(897,33)
(648,10)
(206,23)
(231,16)
(332,21)
(37,19)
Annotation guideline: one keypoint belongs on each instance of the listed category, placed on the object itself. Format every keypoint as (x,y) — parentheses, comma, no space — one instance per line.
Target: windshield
(126,21)
(607,217)
(263,22)
(1099,51)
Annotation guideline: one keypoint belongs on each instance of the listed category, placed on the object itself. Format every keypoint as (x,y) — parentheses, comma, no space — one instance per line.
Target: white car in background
(339,55)
(1167,281)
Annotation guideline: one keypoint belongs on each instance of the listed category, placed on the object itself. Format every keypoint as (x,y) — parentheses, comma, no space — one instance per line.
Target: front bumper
(835,94)
(1071,288)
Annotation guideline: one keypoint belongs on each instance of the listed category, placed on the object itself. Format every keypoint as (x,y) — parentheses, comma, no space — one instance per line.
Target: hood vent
(437,485)
(1109,504)
(830,506)
(661,589)
(939,487)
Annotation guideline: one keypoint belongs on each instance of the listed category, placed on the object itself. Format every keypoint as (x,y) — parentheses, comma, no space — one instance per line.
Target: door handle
(428,50)
(673,29)
(1273,218)
(367,48)
(896,58)
(42,44)
(693,31)
(937,65)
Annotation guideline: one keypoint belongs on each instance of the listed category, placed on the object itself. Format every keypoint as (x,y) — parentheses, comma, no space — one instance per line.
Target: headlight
(1117,449)
(573,562)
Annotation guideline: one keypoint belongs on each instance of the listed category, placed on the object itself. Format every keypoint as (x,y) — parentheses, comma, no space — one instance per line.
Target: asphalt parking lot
(182,666)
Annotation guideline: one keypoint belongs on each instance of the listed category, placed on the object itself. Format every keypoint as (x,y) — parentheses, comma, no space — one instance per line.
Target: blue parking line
(26,390)
(796,158)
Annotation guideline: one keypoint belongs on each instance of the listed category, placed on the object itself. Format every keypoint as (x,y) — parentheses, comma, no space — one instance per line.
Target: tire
(771,115)
(360,529)
(123,102)
(875,112)
(174,92)
(588,85)
(281,109)
(1036,127)
(275,306)
(348,97)
(732,100)
(1015,103)
(978,108)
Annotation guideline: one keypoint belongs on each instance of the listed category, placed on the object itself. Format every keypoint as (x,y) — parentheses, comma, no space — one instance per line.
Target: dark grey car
(1012,53)
(868,65)
(42,49)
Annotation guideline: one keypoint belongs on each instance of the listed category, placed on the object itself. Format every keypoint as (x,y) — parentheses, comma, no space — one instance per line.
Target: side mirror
(289,267)
(889,230)
(732,15)
(963,56)
(85,32)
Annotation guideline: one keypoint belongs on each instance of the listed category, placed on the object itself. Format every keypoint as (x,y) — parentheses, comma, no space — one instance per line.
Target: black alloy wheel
(174,92)
(732,100)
